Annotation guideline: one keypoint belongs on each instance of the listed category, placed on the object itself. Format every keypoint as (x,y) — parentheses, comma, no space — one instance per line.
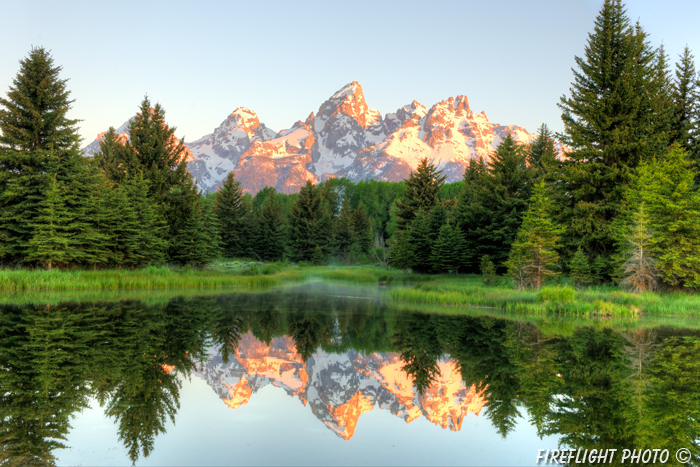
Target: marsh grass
(236,274)
(148,278)
(438,290)
(560,299)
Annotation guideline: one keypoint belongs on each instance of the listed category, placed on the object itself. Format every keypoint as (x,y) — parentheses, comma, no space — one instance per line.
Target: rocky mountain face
(339,388)
(345,138)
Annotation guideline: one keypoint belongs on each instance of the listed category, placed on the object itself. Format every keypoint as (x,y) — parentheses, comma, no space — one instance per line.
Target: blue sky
(282,59)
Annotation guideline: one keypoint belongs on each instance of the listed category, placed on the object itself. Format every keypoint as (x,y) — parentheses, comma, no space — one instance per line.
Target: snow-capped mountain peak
(340,388)
(345,137)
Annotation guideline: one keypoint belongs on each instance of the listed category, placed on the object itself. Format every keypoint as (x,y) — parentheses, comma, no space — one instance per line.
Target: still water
(328,375)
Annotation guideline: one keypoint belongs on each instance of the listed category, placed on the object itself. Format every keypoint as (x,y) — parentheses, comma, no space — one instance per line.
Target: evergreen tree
(420,243)
(436,218)
(88,191)
(154,150)
(580,269)
(534,251)
(635,263)
(659,114)
(309,225)
(189,244)
(685,105)
(491,207)
(488,270)
(421,193)
(272,224)
(600,267)
(345,236)
(230,212)
(613,119)
(152,229)
(333,192)
(51,242)
(184,219)
(211,230)
(34,132)
(542,152)
(362,228)
(447,250)
(250,229)
(124,229)
(469,213)
(35,113)
(318,256)
(674,210)
(377,198)
(639,269)
(113,159)
(400,251)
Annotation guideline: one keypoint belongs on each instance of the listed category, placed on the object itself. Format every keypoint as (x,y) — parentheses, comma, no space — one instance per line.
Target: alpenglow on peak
(345,138)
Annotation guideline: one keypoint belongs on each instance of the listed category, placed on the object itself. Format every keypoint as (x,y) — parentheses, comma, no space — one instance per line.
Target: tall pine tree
(272,229)
(491,205)
(470,212)
(113,159)
(51,243)
(685,106)
(674,210)
(421,193)
(613,119)
(542,152)
(156,151)
(533,256)
(309,225)
(231,213)
(35,131)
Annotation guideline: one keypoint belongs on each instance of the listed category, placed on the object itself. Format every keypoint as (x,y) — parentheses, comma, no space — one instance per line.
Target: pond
(322,374)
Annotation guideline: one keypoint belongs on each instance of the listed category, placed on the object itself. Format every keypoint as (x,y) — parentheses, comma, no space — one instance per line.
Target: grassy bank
(231,274)
(148,278)
(599,302)
(438,291)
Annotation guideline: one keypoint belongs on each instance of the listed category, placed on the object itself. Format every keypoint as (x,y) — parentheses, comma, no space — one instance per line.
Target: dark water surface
(327,375)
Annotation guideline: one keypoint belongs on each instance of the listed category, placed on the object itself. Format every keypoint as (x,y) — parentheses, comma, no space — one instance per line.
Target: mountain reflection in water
(597,386)
(339,388)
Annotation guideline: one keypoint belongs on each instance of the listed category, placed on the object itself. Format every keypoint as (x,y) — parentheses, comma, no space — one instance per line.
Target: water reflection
(339,388)
(595,388)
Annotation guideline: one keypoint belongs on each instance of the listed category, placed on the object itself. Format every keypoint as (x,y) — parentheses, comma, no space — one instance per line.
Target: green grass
(560,299)
(148,278)
(440,290)
(220,274)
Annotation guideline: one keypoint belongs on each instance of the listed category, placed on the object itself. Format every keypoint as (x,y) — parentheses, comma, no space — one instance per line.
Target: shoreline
(411,289)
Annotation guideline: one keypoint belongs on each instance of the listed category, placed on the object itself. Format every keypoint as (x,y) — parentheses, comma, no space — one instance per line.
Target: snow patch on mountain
(345,137)
(339,388)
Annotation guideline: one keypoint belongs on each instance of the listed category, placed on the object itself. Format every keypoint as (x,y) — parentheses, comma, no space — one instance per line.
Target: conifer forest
(613,198)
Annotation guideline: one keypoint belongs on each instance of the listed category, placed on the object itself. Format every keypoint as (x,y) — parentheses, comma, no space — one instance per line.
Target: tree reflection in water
(594,388)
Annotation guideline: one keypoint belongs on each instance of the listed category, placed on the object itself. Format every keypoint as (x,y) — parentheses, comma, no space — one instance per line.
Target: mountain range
(345,138)
(339,388)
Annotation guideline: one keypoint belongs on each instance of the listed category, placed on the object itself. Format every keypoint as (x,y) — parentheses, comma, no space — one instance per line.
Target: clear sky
(282,59)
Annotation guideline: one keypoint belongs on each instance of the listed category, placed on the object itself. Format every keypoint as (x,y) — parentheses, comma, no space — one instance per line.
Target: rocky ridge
(339,388)
(345,138)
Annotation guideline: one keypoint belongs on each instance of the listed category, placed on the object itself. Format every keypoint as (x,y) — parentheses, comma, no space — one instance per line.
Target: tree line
(134,204)
(619,202)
